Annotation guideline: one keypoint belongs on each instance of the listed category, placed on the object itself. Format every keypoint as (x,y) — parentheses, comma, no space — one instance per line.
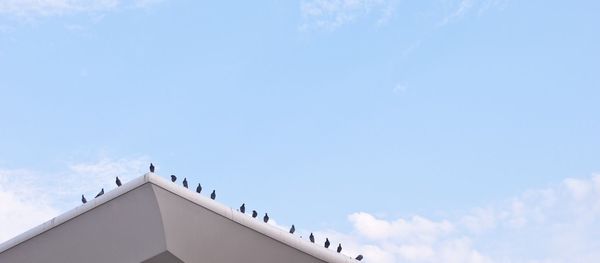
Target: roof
(152,220)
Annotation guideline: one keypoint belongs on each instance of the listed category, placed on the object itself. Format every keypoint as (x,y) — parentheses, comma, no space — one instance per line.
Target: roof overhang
(152,220)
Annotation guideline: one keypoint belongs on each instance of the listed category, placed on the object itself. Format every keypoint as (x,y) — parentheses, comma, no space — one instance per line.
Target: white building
(151,220)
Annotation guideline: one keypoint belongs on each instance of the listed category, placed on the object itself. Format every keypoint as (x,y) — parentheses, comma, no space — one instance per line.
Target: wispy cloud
(555,224)
(461,8)
(331,14)
(45,8)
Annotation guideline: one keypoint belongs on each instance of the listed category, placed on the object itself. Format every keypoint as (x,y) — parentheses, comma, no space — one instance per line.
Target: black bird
(118,182)
(213,195)
(185,182)
(339,249)
(151,167)
(100,194)
(311,237)
(173,178)
(359,257)
(254,214)
(266,218)
(199,188)
(83,200)
(243,208)
(292,229)
(327,243)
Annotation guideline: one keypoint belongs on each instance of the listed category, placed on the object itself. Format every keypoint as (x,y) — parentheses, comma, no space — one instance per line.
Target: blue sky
(341,116)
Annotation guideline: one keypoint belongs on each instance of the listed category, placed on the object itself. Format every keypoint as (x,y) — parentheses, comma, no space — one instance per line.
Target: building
(151,220)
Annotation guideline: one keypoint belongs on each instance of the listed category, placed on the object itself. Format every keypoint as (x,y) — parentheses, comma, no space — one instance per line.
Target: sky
(410,131)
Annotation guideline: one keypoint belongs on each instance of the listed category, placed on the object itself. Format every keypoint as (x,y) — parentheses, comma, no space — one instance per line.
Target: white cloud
(36,8)
(29,198)
(555,224)
(22,204)
(331,14)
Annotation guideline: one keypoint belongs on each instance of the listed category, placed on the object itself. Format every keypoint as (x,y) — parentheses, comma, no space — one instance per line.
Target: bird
(100,194)
(173,178)
(327,242)
(266,218)
(213,195)
(311,237)
(243,208)
(359,257)
(292,229)
(199,188)
(185,182)
(254,214)
(118,182)
(151,167)
(339,249)
(83,200)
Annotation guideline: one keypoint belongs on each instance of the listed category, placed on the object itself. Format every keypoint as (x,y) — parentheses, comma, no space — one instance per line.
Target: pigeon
(339,249)
(199,188)
(173,178)
(359,257)
(243,208)
(151,168)
(213,195)
(311,237)
(118,182)
(100,194)
(83,200)
(254,214)
(327,243)
(292,229)
(185,182)
(266,218)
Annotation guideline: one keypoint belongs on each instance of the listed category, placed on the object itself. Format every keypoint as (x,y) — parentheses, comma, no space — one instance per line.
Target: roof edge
(218,208)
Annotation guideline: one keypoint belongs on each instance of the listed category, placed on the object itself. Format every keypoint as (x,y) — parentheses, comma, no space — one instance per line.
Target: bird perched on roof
(100,194)
(151,167)
(199,188)
(339,249)
(292,229)
(359,257)
(173,178)
(254,213)
(243,208)
(311,237)
(213,195)
(266,218)
(83,200)
(185,182)
(118,182)
(327,242)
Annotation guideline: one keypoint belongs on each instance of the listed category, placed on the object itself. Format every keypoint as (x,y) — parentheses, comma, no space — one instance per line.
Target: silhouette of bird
(151,167)
(173,178)
(118,182)
(266,218)
(339,249)
(243,208)
(83,200)
(213,195)
(100,194)
(311,237)
(185,182)
(359,257)
(327,242)
(199,188)
(254,214)
(292,229)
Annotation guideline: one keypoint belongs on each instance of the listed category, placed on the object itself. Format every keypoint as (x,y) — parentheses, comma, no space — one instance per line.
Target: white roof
(152,220)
